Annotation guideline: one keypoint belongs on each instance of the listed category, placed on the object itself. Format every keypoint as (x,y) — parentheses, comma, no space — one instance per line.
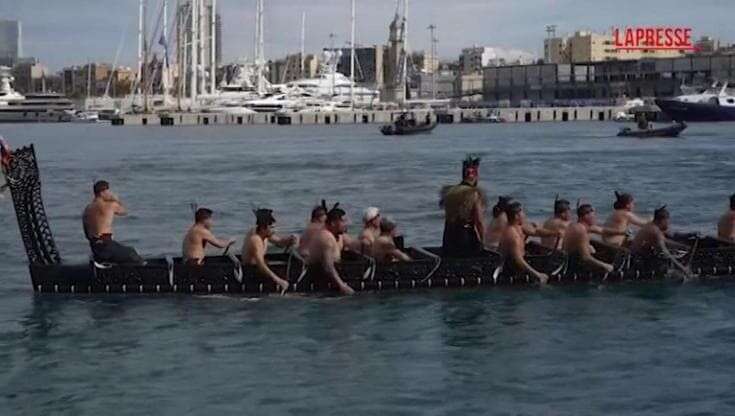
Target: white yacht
(332,85)
(35,107)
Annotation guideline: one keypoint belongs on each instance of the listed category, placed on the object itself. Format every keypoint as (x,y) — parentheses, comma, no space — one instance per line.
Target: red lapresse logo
(653,38)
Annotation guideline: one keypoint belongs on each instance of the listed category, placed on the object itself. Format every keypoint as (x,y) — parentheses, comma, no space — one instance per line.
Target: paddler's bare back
(325,245)
(557,225)
(647,241)
(194,243)
(98,218)
(726,226)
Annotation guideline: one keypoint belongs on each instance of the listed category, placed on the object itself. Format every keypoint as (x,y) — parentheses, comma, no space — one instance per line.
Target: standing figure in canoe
(726,225)
(97,219)
(649,246)
(255,246)
(325,251)
(199,236)
(463,213)
(621,218)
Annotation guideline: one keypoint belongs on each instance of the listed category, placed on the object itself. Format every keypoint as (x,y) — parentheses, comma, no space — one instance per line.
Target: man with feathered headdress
(463,213)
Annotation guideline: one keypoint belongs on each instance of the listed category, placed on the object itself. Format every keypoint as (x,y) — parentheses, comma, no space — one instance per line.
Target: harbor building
(473,59)
(31,76)
(10,42)
(561,84)
(288,69)
(368,65)
(586,46)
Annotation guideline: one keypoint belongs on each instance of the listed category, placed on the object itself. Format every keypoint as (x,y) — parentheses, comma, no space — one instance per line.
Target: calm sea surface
(663,348)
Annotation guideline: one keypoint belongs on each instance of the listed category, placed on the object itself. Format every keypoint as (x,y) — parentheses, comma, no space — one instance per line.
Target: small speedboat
(405,126)
(668,131)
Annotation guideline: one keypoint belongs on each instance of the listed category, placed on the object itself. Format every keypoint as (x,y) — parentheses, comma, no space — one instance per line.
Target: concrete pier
(454,116)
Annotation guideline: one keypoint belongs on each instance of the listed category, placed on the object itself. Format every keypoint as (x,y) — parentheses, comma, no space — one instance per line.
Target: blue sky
(66,32)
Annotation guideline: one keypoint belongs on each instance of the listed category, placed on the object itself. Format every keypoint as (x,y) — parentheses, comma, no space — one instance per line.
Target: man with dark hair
(316,223)
(198,236)
(513,245)
(577,242)
(463,213)
(255,246)
(384,248)
(97,219)
(621,218)
(558,224)
(726,225)
(650,244)
(325,250)
(496,228)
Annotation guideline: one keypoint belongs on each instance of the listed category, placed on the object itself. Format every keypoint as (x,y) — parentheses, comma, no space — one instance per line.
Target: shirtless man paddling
(577,241)
(726,225)
(558,224)
(316,224)
(325,250)
(384,248)
(97,218)
(513,245)
(256,242)
(650,242)
(621,218)
(199,236)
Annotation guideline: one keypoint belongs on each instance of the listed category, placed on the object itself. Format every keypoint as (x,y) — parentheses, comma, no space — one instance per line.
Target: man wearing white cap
(371,229)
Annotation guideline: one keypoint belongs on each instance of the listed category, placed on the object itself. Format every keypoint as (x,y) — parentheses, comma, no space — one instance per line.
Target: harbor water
(657,348)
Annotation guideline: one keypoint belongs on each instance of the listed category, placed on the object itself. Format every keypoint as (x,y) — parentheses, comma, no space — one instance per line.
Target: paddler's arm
(541,231)
(586,253)
(328,262)
(661,240)
(284,242)
(211,239)
(401,256)
(636,220)
(521,263)
(608,232)
(259,254)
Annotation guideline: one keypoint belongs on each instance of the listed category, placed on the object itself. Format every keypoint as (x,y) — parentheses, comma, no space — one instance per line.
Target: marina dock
(454,116)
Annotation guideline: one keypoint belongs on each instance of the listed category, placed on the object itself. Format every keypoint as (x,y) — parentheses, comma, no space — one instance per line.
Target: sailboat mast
(145,57)
(194,55)
(404,75)
(140,44)
(213,47)
(165,72)
(352,57)
(303,40)
(200,28)
(261,57)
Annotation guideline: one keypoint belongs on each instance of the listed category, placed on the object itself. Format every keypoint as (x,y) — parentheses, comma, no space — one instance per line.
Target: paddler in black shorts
(98,218)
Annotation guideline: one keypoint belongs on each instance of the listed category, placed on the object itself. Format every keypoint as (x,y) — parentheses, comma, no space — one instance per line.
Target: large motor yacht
(33,107)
